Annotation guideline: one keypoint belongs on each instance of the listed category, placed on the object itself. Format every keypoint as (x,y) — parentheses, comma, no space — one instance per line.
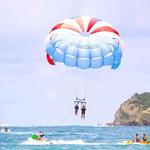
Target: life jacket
(145,138)
(137,139)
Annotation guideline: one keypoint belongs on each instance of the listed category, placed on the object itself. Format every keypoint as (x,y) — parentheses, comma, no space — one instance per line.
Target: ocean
(73,138)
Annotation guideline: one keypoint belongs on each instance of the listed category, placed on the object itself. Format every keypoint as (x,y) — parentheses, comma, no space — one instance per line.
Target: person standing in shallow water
(83,109)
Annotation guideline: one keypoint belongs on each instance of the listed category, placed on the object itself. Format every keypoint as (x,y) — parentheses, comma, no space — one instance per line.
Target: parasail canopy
(82,48)
(84,42)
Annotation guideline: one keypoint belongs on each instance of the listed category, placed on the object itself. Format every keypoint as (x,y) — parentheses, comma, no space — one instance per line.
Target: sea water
(73,138)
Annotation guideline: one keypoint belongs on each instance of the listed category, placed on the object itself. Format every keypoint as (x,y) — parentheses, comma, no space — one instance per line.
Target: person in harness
(83,107)
(83,110)
(76,107)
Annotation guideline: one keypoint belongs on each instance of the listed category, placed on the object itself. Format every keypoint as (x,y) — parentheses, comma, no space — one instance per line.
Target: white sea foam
(3,131)
(21,133)
(30,141)
(102,125)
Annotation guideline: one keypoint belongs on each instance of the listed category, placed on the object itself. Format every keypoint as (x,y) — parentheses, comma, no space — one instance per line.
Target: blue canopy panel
(85,57)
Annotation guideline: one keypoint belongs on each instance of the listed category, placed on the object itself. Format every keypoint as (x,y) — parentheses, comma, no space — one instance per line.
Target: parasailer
(83,109)
(82,103)
(83,47)
(76,108)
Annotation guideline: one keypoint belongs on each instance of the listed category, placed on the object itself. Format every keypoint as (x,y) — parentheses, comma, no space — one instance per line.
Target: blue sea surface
(73,138)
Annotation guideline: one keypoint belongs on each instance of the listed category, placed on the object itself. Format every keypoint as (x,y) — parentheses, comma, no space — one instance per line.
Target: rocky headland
(134,111)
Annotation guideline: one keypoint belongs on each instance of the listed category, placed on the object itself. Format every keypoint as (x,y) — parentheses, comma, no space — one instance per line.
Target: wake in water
(30,141)
(21,133)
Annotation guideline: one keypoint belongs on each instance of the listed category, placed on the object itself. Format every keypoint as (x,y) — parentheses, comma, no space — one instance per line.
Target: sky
(32,93)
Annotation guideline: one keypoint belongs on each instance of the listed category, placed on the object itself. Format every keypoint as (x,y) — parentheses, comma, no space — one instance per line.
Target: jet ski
(38,141)
(5,130)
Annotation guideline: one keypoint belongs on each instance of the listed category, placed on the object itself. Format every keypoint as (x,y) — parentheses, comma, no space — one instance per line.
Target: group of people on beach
(138,139)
